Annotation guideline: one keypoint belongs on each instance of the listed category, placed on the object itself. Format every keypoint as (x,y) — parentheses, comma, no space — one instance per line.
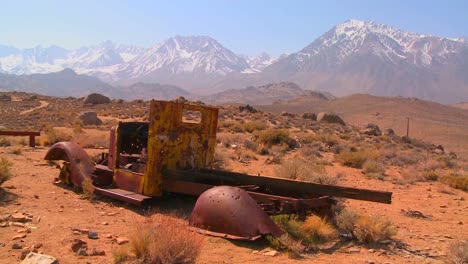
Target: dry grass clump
(87,188)
(374,169)
(455,181)
(4,142)
(16,151)
(364,228)
(353,159)
(165,240)
(53,136)
(299,169)
(255,126)
(312,231)
(272,137)
(5,172)
(232,125)
(318,229)
(458,252)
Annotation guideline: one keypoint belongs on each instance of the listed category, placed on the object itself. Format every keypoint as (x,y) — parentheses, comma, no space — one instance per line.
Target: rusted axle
(31,134)
(276,186)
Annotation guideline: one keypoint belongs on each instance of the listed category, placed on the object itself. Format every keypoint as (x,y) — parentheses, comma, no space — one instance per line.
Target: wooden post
(407,127)
(32,141)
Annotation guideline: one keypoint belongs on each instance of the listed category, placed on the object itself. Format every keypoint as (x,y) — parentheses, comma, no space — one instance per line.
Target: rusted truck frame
(174,152)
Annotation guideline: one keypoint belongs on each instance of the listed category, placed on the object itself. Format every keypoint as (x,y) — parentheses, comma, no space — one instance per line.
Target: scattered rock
(19,218)
(35,258)
(459,198)
(18,224)
(77,244)
(90,119)
(330,118)
(353,250)
(93,235)
(98,252)
(82,252)
(372,130)
(414,214)
(271,253)
(5,217)
(121,240)
(104,223)
(20,236)
(389,132)
(2,244)
(17,246)
(95,98)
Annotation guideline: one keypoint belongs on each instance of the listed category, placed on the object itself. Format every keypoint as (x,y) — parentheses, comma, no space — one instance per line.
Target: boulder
(389,132)
(284,113)
(90,118)
(330,118)
(372,130)
(35,258)
(247,108)
(310,116)
(95,98)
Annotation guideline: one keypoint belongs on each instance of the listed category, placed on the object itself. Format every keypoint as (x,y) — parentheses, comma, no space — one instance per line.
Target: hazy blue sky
(246,27)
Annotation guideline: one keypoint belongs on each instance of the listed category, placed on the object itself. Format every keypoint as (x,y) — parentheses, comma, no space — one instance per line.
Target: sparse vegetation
(458,252)
(53,136)
(165,240)
(272,137)
(5,172)
(364,228)
(353,159)
(254,126)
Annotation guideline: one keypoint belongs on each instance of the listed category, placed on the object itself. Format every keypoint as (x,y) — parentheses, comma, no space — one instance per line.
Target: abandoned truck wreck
(174,154)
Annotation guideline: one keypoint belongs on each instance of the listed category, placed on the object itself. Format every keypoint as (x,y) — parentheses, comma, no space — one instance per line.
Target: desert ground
(428,211)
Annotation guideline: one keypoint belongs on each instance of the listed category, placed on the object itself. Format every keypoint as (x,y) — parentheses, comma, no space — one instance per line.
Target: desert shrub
(458,252)
(313,230)
(373,229)
(447,162)
(251,145)
(374,169)
(5,172)
(220,158)
(232,125)
(87,188)
(4,142)
(53,136)
(271,137)
(299,169)
(411,175)
(16,151)
(364,228)
(455,181)
(406,158)
(254,126)
(245,154)
(431,175)
(165,240)
(353,159)
(317,229)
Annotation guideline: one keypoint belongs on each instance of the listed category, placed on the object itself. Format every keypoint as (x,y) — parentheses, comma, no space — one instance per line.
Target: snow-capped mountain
(52,59)
(259,62)
(181,55)
(367,57)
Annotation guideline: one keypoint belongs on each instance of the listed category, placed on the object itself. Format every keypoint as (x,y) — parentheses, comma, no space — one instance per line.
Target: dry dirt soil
(56,210)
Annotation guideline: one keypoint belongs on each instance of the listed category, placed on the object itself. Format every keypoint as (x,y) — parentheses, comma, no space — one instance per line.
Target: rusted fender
(232,213)
(81,164)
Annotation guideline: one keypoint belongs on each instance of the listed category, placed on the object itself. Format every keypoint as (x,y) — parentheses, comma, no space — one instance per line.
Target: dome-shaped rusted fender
(81,164)
(231,212)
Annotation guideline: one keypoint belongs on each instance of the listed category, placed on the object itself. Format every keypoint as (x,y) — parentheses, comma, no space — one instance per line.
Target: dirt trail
(43,104)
